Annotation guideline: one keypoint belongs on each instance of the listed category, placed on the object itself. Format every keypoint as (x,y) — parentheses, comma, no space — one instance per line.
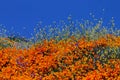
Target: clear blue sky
(27,13)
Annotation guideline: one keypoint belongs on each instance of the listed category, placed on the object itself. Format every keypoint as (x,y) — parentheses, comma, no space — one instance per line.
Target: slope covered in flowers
(90,55)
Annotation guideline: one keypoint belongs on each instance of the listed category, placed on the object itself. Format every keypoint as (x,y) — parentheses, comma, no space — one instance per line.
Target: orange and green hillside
(91,53)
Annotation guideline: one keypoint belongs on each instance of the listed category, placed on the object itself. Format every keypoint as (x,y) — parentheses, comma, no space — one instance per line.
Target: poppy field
(76,51)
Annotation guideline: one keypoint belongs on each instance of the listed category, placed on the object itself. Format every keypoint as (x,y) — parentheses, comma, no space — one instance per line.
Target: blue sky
(18,14)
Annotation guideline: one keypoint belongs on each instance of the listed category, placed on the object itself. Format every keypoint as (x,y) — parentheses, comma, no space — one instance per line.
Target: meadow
(72,50)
